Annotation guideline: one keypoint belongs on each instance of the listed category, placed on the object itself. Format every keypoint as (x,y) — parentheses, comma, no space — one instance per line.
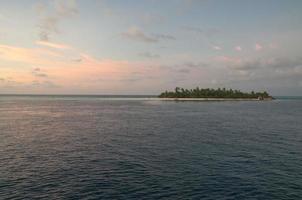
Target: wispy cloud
(238,63)
(207,33)
(188,64)
(163,37)
(8,82)
(137,34)
(50,18)
(185,67)
(217,48)
(44,84)
(26,55)
(37,72)
(149,55)
(77,60)
(56,68)
(195,64)
(258,47)
(238,48)
(283,63)
(270,63)
(53,45)
(185,71)
(66,8)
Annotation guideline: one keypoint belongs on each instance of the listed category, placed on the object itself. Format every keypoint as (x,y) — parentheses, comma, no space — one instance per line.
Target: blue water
(106,148)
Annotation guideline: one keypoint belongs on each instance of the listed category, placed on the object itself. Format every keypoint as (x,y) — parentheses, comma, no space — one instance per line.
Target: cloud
(37,72)
(283,63)
(184,68)
(149,55)
(207,33)
(49,21)
(129,78)
(52,45)
(185,71)
(27,55)
(77,60)
(258,47)
(48,26)
(195,64)
(137,34)
(44,84)
(189,64)
(134,79)
(218,48)
(65,8)
(164,37)
(238,48)
(240,64)
(272,64)
(193,29)
(57,67)
(9,82)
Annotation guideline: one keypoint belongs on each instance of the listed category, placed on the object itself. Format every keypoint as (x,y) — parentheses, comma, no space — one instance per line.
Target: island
(213,94)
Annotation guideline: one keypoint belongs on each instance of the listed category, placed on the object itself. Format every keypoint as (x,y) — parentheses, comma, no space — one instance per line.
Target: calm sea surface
(70,147)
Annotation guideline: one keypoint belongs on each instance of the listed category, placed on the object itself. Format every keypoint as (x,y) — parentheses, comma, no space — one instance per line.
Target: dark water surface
(94,148)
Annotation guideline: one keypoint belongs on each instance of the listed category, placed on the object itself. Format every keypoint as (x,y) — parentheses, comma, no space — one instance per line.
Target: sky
(149,46)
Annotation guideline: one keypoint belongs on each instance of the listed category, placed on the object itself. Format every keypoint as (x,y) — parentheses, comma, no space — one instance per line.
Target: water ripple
(56,148)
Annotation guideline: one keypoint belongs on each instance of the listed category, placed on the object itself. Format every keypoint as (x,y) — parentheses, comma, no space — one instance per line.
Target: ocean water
(56,147)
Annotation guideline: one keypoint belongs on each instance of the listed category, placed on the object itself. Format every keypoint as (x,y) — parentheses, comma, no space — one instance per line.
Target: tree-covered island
(214,93)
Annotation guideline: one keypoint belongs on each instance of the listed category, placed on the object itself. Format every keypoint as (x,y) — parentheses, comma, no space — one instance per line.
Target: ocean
(125,147)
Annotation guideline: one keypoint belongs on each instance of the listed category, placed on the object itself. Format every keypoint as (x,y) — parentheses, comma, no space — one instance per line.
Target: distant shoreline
(210,94)
(139,97)
(214,99)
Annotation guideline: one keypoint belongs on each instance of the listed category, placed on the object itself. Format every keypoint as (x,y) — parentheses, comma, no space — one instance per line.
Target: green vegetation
(212,93)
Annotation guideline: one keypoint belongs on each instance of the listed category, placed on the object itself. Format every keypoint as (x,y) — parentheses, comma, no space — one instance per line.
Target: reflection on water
(83,147)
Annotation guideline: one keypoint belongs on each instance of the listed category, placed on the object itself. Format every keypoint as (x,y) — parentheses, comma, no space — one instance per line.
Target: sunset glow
(84,47)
